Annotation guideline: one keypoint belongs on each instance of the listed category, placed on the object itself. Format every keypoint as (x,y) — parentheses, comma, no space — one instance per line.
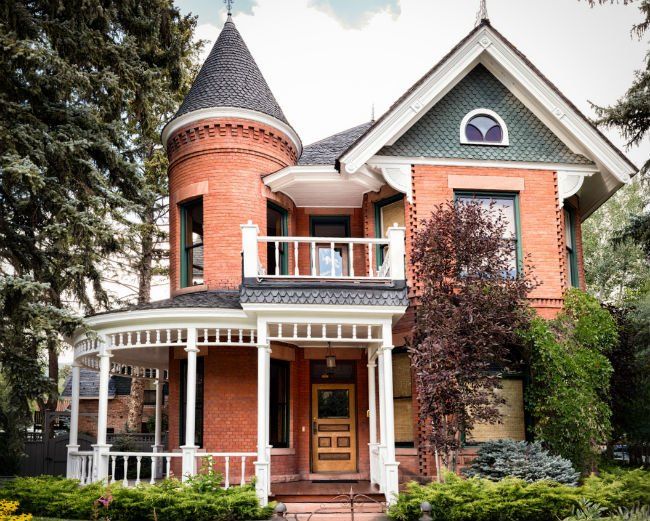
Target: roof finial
(229,6)
(372,112)
(482,15)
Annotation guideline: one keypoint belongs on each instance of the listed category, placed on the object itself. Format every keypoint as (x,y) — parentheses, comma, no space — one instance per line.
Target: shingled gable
(486,46)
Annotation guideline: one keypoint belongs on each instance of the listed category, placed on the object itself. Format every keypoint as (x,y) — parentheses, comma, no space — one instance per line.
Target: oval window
(483,129)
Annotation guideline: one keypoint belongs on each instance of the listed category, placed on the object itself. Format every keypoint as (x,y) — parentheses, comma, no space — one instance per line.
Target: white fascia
(488,48)
(228,113)
(305,313)
(322,186)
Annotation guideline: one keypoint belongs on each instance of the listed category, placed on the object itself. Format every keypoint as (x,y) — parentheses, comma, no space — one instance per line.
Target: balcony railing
(323,258)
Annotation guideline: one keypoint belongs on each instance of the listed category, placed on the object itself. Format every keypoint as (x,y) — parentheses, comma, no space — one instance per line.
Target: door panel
(334,431)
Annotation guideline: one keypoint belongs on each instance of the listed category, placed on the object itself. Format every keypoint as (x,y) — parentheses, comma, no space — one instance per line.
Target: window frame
(379,251)
(405,444)
(185,272)
(519,252)
(572,254)
(284,254)
(286,420)
(505,137)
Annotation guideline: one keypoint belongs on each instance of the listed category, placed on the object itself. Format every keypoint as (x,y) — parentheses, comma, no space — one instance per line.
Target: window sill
(189,289)
(283,452)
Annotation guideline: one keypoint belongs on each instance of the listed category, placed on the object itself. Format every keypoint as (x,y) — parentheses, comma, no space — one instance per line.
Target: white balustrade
(232,464)
(322,333)
(222,460)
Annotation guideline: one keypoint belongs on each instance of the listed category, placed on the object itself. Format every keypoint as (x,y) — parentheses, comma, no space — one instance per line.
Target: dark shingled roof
(201,299)
(89,385)
(325,151)
(230,77)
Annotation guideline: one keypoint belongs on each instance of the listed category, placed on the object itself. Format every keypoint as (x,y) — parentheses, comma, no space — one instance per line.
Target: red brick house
(282,338)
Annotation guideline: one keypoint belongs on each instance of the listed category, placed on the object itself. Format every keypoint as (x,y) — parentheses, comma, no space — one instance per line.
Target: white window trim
(487,112)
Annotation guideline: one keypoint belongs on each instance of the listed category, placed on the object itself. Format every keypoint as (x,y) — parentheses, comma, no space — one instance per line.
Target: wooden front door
(334,428)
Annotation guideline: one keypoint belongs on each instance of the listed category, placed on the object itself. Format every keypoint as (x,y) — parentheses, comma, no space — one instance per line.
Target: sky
(329,61)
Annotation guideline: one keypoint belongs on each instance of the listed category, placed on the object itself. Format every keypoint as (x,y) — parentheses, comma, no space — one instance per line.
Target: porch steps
(319,511)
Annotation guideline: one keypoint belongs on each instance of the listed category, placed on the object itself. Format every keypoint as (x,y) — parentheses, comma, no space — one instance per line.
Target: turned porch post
(189,449)
(73,440)
(101,448)
(381,449)
(391,484)
(263,463)
(373,446)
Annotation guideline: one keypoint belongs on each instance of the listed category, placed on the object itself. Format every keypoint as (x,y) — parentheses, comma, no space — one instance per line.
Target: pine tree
(78,83)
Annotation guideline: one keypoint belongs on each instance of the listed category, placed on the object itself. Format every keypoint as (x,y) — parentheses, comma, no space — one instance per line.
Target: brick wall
(118,411)
(223,161)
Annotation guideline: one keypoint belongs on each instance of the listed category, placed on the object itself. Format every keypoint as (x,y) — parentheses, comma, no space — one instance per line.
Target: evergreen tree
(78,83)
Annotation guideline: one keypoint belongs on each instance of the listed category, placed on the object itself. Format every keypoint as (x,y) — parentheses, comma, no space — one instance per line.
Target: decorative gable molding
(487,47)
(569,183)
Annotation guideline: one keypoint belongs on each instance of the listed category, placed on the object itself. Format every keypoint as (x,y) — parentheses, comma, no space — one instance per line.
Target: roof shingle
(325,151)
(230,77)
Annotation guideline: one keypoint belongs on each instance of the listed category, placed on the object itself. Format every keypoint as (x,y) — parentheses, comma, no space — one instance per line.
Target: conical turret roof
(230,77)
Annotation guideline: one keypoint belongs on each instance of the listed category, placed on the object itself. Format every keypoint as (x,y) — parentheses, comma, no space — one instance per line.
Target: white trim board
(230,112)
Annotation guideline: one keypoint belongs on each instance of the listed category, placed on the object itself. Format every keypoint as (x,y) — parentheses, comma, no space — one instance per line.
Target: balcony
(323,259)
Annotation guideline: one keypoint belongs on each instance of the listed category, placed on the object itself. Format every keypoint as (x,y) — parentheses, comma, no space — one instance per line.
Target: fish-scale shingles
(332,296)
(436,134)
(230,77)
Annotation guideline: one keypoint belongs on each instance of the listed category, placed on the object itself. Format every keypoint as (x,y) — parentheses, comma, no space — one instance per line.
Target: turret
(228,133)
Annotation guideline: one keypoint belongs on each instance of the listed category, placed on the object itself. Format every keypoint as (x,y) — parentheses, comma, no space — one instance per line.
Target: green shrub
(528,461)
(588,511)
(169,499)
(512,499)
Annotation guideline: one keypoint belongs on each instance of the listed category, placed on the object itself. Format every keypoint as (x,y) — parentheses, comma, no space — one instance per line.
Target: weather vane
(229,5)
(482,12)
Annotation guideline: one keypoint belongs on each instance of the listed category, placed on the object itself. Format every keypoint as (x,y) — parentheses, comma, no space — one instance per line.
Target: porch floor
(309,491)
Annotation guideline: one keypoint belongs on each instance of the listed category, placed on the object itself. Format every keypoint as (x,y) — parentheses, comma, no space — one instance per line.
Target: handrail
(337,240)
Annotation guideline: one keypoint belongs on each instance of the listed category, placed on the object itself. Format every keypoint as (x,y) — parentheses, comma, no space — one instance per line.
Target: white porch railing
(325,258)
(232,465)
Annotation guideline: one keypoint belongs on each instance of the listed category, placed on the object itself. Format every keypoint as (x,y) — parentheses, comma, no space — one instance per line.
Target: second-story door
(332,258)
(276,226)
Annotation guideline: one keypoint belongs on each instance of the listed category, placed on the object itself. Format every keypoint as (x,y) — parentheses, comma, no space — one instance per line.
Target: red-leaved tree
(470,301)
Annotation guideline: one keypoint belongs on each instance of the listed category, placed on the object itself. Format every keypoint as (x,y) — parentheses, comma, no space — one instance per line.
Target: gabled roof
(327,150)
(487,46)
(230,77)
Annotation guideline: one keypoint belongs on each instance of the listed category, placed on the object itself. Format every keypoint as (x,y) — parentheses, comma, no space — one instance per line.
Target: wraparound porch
(143,344)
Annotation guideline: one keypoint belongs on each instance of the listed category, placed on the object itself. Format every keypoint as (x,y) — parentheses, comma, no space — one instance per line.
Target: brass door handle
(314,427)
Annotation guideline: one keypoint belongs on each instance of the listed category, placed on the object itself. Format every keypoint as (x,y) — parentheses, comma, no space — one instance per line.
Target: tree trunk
(136,404)
(144,268)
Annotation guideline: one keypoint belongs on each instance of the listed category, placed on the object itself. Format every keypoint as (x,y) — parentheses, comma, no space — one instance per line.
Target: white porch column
(101,448)
(263,463)
(373,446)
(390,464)
(382,423)
(189,449)
(73,440)
(157,441)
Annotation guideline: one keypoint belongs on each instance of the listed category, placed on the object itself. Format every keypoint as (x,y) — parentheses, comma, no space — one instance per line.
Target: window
(149,397)
(483,127)
(388,212)
(403,399)
(569,238)
(508,204)
(279,404)
(192,243)
(276,226)
(331,263)
(513,423)
(198,418)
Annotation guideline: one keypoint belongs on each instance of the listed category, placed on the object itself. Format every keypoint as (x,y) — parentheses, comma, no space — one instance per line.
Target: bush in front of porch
(511,499)
(168,500)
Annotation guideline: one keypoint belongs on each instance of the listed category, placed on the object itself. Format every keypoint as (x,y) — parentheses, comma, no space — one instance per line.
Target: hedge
(511,499)
(168,500)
